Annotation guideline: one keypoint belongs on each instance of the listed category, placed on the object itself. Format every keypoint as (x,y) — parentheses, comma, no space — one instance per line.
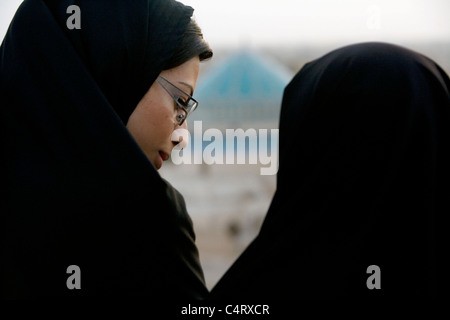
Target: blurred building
(244,89)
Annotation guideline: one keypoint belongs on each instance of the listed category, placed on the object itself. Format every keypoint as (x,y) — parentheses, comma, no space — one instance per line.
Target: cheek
(151,124)
(157,116)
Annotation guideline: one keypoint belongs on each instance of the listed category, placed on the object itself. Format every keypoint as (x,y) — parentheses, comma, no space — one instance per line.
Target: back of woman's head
(372,97)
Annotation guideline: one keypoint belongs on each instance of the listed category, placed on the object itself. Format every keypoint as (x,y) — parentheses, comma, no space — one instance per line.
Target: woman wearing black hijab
(362,184)
(83,210)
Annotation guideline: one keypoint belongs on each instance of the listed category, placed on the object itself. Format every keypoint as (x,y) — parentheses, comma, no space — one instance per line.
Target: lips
(163,155)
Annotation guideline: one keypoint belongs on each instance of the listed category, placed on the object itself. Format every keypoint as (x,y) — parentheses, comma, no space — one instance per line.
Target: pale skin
(153,120)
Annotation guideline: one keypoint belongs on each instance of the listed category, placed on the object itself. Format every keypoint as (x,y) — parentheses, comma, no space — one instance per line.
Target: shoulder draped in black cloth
(362,181)
(76,188)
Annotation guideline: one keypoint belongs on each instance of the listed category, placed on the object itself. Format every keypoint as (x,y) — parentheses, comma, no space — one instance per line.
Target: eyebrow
(187,85)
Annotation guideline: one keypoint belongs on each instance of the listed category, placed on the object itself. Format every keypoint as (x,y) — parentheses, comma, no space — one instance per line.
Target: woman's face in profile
(155,118)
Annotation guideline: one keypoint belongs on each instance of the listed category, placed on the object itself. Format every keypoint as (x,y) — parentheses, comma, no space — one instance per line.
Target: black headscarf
(76,188)
(362,181)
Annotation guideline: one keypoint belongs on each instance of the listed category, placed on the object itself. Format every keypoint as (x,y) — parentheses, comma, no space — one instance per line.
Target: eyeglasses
(185,103)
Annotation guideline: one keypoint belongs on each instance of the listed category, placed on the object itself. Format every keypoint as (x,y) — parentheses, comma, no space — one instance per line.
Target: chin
(157,163)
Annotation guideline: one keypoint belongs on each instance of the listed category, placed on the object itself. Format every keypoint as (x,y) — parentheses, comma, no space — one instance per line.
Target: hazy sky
(298,21)
(234,22)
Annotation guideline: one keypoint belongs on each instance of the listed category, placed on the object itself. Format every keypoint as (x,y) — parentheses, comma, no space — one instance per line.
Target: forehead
(187,73)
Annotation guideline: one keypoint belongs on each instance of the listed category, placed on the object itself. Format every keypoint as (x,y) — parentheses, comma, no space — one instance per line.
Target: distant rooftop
(245,87)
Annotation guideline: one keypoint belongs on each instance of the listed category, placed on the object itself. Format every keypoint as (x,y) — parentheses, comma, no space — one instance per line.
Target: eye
(182,101)
(181,117)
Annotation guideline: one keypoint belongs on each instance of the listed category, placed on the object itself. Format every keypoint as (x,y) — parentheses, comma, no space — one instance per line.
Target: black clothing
(76,188)
(362,181)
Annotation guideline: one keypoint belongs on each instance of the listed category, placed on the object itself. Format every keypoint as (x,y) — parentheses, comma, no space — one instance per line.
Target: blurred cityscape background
(258,46)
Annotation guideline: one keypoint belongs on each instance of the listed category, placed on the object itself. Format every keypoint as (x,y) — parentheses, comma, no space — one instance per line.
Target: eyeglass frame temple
(173,96)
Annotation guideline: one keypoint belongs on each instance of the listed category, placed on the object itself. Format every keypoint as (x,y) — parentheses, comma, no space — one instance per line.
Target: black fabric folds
(362,181)
(76,188)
